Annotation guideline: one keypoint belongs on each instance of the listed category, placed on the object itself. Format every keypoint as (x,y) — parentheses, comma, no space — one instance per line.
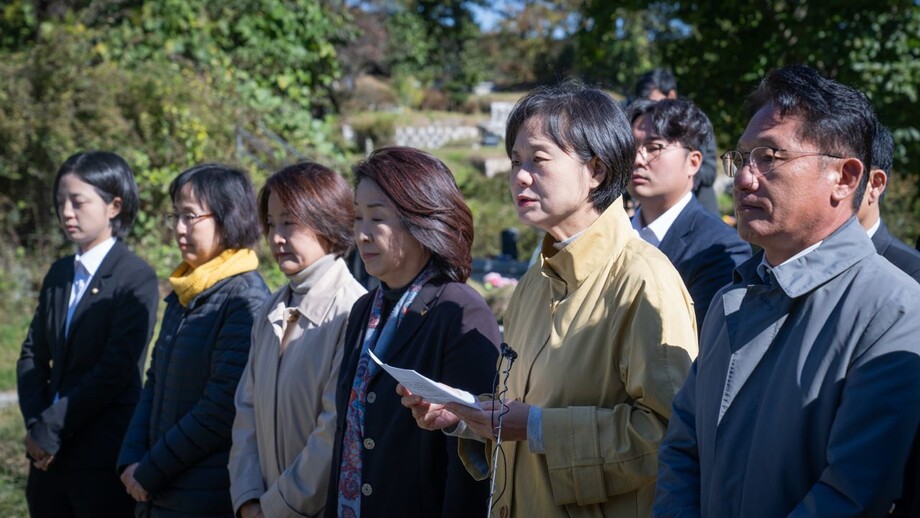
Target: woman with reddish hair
(285,403)
(413,231)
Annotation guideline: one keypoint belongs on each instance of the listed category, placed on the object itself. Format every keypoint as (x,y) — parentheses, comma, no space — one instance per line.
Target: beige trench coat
(285,404)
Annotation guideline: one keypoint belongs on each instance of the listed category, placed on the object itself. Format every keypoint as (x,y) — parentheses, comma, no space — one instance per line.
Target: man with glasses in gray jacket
(804,400)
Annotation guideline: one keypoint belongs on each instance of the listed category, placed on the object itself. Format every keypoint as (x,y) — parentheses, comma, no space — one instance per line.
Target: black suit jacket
(904,257)
(907,260)
(705,252)
(449,335)
(96,370)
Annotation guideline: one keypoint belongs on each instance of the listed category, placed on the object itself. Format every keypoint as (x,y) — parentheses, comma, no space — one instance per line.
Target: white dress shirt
(874,228)
(85,266)
(655,231)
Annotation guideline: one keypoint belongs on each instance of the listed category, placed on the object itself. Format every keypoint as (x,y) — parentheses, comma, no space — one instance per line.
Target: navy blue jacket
(450,335)
(180,432)
(705,252)
(904,257)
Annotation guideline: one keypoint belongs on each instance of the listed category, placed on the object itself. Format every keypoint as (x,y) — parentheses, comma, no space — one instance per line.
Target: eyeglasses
(187,218)
(761,159)
(651,152)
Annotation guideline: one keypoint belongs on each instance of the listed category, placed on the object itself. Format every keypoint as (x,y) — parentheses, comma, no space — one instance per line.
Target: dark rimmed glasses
(187,218)
(762,159)
(650,152)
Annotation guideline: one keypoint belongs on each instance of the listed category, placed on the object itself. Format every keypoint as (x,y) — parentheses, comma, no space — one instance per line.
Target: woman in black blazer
(79,373)
(414,232)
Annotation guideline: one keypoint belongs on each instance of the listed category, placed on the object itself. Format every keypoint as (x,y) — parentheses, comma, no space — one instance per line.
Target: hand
(484,420)
(132,486)
(251,509)
(40,458)
(427,416)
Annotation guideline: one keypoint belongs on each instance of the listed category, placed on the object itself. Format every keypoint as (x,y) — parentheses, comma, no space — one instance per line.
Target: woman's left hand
(40,458)
(483,420)
(132,486)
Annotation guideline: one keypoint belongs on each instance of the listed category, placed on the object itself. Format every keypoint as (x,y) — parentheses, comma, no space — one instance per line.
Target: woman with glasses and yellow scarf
(174,458)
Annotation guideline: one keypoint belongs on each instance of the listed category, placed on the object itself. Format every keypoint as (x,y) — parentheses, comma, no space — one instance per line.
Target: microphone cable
(507,353)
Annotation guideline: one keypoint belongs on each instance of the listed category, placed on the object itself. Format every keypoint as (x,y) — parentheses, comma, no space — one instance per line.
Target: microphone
(506,351)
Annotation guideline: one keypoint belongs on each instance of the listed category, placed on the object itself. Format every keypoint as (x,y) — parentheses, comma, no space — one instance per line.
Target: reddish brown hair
(428,202)
(317,197)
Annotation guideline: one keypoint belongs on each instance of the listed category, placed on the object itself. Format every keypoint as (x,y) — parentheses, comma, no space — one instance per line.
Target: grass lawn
(13,464)
(12,331)
(14,467)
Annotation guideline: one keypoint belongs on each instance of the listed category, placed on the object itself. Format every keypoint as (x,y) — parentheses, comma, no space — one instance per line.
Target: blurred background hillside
(263,83)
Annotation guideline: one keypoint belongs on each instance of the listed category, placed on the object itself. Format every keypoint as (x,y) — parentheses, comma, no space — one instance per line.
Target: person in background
(869,214)
(79,373)
(905,258)
(670,135)
(804,400)
(602,326)
(414,233)
(658,84)
(285,403)
(173,461)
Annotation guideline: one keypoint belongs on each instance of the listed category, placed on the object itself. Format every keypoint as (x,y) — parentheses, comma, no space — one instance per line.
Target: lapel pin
(424,311)
(94,291)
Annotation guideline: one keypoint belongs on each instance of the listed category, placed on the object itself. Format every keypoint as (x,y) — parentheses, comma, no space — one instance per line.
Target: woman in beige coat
(602,325)
(285,403)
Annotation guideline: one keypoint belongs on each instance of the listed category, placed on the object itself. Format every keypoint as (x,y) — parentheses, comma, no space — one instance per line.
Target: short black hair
(111,177)
(585,122)
(228,194)
(835,117)
(675,120)
(883,154)
(660,79)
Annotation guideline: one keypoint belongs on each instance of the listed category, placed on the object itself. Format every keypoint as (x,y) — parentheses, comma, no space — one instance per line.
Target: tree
(531,43)
(872,46)
(617,41)
(167,84)
(719,51)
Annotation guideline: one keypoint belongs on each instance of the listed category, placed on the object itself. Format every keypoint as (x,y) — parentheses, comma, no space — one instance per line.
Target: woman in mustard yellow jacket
(602,325)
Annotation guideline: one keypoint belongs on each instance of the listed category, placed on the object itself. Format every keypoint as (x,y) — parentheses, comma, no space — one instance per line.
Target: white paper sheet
(430,390)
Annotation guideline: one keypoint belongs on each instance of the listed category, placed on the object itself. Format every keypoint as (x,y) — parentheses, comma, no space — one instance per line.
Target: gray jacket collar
(845,247)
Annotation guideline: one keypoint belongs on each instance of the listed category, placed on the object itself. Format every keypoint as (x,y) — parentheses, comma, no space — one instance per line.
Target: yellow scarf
(189,282)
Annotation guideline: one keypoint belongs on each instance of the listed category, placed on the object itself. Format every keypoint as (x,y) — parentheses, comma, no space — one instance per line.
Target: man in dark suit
(907,260)
(888,246)
(658,84)
(704,250)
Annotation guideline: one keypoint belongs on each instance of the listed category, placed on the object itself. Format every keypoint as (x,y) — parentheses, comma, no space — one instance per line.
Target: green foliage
(873,46)
(615,44)
(277,56)
(409,47)
(449,37)
(531,43)
(719,52)
(58,98)
(166,85)
(18,24)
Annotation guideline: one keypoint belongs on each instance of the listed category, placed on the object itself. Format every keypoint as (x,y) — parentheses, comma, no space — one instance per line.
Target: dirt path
(8,398)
